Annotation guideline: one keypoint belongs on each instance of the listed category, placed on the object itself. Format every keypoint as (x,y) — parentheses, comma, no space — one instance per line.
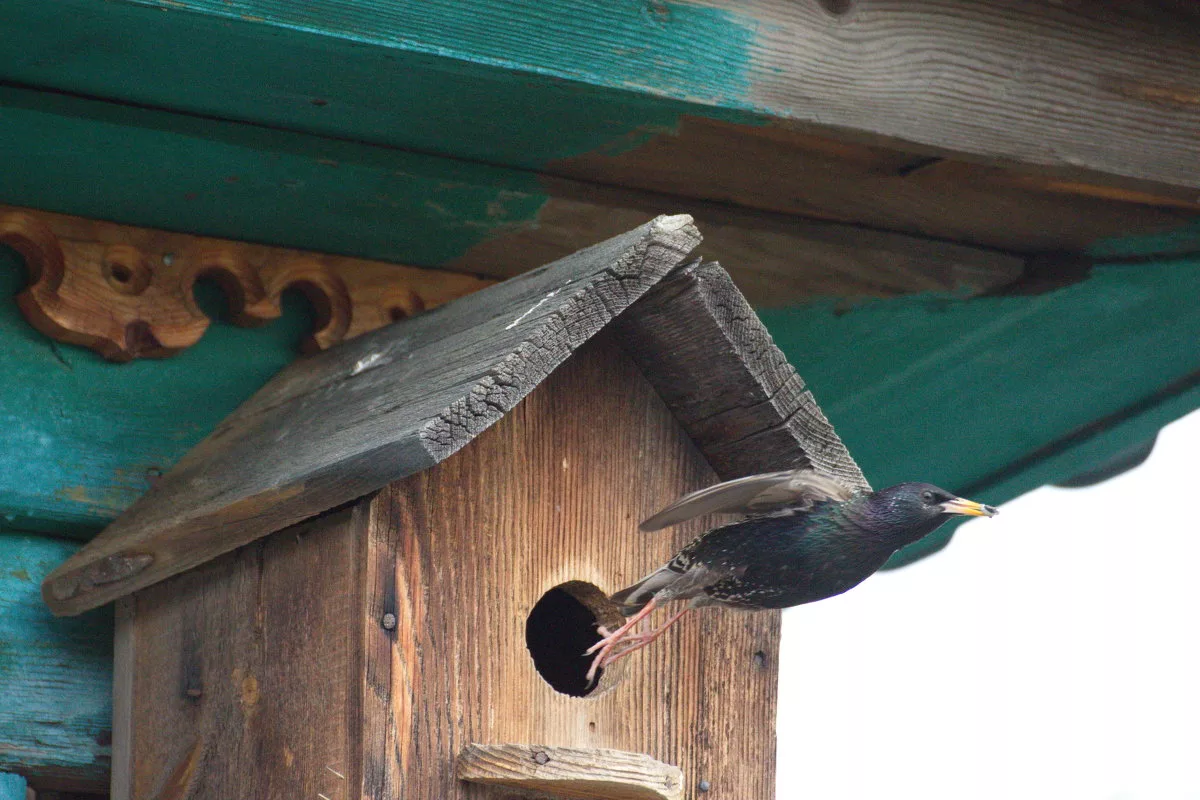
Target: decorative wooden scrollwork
(126,292)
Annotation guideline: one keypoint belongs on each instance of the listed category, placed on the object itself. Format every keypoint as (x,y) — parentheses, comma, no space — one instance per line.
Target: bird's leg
(642,639)
(602,647)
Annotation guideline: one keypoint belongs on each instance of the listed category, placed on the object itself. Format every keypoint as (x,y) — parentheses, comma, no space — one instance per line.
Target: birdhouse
(378,577)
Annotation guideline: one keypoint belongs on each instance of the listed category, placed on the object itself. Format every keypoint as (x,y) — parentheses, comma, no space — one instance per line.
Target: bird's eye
(927,497)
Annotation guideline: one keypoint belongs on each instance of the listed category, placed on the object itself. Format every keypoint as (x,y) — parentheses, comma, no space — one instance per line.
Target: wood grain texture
(1097,88)
(776,259)
(1105,89)
(782,169)
(552,494)
(714,363)
(128,292)
(348,421)
(241,671)
(571,772)
(457,555)
(124,667)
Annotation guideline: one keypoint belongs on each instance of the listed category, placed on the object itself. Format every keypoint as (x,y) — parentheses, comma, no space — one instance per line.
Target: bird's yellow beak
(968,508)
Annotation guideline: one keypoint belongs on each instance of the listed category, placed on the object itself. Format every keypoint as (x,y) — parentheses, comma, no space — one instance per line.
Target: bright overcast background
(1051,652)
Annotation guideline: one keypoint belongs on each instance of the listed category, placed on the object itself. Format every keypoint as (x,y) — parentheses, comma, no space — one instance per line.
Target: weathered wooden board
(347,421)
(55,675)
(794,259)
(240,683)
(571,772)
(709,357)
(779,168)
(246,689)
(306,192)
(1107,90)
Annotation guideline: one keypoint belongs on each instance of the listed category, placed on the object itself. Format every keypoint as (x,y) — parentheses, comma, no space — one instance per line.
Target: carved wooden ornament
(126,292)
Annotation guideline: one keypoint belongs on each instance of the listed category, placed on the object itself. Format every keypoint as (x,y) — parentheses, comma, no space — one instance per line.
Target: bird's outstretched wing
(754,494)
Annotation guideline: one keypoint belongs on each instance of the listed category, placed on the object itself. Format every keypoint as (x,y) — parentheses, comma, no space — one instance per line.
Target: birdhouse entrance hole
(561,626)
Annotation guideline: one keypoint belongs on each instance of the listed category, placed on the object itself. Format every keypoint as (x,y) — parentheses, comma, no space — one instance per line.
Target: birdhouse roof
(340,424)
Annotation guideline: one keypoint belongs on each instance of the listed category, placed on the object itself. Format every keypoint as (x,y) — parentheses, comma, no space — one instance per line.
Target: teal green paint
(1185,242)
(954,390)
(12,787)
(79,435)
(237,181)
(519,84)
(55,674)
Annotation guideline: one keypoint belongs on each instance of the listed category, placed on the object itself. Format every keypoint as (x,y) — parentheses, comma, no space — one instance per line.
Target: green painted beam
(524,82)
(55,676)
(437,77)
(999,395)
(234,181)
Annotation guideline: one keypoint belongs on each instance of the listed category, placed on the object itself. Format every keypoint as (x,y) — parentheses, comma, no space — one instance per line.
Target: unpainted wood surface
(1086,87)
(553,493)
(777,259)
(345,422)
(275,670)
(241,672)
(714,363)
(127,292)
(779,168)
(571,772)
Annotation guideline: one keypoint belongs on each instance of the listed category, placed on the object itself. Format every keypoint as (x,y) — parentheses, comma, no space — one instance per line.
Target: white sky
(1050,652)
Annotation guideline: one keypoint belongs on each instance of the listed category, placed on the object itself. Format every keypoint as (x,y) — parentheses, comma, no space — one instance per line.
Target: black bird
(808,538)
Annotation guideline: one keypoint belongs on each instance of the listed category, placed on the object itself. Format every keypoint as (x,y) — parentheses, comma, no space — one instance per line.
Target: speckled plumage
(808,538)
(795,557)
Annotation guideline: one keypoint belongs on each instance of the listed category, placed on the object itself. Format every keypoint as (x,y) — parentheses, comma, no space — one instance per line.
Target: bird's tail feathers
(633,599)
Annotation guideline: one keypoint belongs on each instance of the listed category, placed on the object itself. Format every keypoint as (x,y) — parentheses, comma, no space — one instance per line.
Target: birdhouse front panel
(453,608)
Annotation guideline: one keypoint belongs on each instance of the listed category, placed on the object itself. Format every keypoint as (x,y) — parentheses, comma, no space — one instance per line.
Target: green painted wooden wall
(317,126)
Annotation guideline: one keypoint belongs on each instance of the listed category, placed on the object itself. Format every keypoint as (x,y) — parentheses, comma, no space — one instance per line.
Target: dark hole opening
(561,626)
(121,273)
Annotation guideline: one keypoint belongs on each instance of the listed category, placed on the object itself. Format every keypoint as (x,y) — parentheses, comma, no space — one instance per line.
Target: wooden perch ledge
(570,772)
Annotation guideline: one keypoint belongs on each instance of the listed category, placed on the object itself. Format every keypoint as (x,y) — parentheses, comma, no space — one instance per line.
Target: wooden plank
(779,168)
(786,259)
(347,421)
(124,651)
(242,685)
(571,772)
(306,192)
(348,703)
(1103,90)
(126,292)
(710,358)
(55,676)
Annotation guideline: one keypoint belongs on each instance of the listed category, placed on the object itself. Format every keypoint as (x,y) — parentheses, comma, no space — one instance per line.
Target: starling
(806,538)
